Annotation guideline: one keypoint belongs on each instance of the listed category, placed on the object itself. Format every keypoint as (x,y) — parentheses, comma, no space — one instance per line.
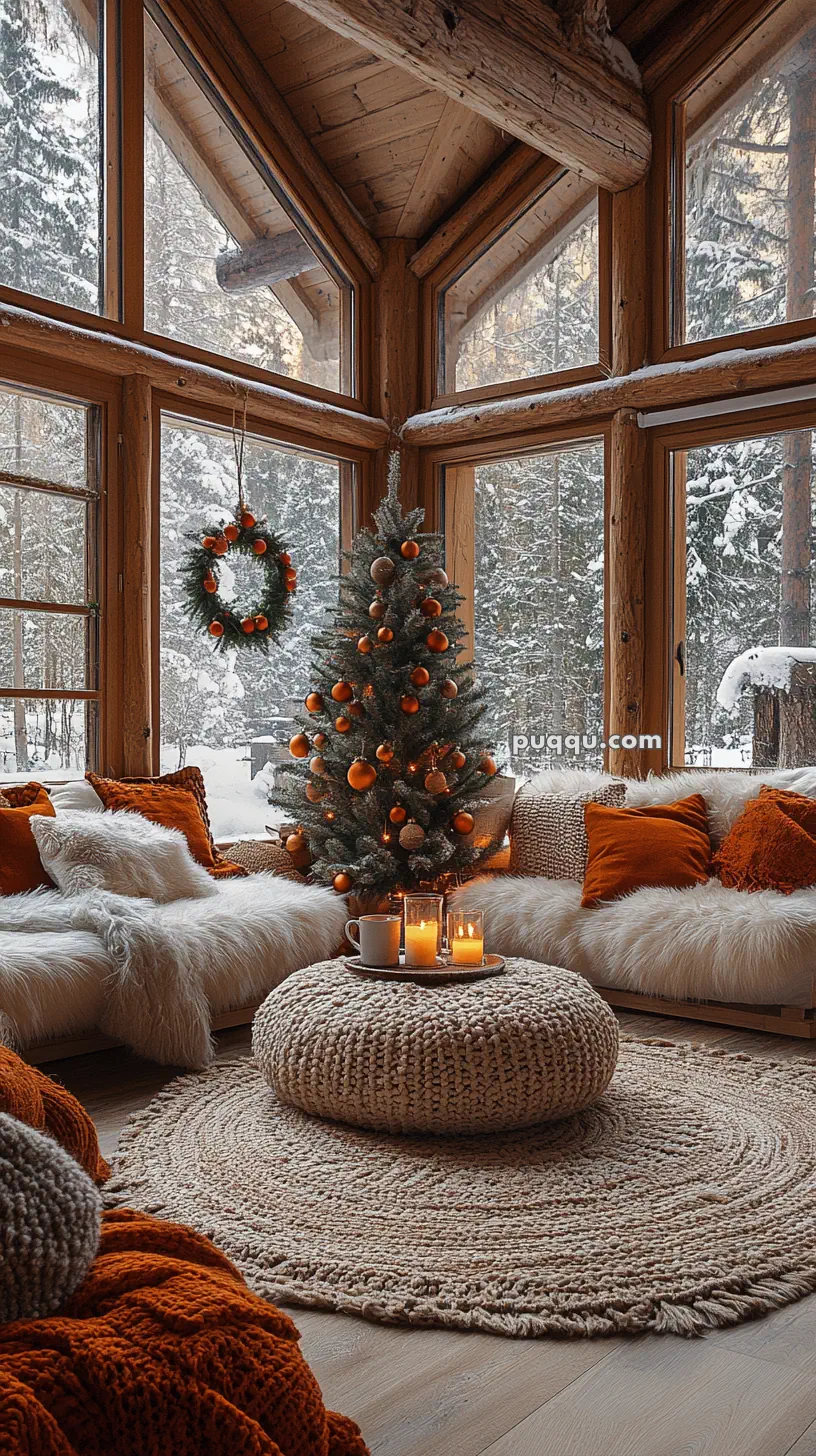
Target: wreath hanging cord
(262,622)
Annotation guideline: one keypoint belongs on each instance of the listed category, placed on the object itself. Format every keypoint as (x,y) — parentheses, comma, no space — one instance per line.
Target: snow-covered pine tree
(398,761)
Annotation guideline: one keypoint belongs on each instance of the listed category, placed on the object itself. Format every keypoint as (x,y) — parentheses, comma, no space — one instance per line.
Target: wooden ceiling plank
(431,187)
(514,64)
(251,75)
(381,128)
(517,161)
(643,19)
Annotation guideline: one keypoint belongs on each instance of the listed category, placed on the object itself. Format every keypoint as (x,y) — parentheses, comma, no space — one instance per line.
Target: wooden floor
(750,1391)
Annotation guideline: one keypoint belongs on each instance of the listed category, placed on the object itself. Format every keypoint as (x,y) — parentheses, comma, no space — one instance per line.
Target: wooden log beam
(489,193)
(19,328)
(264,262)
(397,362)
(626,568)
(661,386)
(631,260)
(513,62)
(137,669)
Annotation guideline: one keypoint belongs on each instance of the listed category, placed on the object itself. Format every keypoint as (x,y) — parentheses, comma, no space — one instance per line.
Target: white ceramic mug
(377,938)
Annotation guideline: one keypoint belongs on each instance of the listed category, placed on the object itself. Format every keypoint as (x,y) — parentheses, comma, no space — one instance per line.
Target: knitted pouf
(491,1055)
(50,1215)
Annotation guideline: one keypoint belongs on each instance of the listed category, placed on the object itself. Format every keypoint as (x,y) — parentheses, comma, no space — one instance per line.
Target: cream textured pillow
(75,794)
(121,852)
(547,833)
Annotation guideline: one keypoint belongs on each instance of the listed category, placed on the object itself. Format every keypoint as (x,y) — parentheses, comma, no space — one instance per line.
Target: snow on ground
(237,804)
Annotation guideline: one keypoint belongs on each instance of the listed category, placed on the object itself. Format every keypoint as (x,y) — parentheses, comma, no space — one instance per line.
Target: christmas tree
(391,727)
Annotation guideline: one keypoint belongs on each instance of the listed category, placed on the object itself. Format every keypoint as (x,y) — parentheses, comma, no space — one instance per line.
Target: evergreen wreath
(246,536)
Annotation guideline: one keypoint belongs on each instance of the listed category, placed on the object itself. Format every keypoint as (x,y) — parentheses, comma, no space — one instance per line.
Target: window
(49,638)
(51,214)
(750,159)
(228,713)
(526,546)
(528,305)
(745,676)
(228,268)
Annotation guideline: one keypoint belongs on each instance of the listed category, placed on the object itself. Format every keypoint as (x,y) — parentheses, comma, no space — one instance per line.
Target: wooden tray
(492,965)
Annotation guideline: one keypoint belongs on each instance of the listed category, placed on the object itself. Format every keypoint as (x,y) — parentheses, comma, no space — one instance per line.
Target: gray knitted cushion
(49,1222)
(547,833)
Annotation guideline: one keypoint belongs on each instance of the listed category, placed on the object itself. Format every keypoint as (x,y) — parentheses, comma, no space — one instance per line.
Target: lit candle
(420,943)
(466,937)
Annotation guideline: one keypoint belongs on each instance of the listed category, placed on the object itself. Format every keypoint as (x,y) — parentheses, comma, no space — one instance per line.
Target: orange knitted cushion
(20,865)
(660,844)
(146,796)
(163,1349)
(772,846)
(29,1095)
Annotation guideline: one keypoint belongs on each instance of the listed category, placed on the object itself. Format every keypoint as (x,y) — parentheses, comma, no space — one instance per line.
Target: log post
(797,718)
(137,668)
(630,279)
(626,569)
(397,362)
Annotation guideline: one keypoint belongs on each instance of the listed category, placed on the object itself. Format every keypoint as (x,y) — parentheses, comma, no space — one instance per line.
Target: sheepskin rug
(153,975)
(702,943)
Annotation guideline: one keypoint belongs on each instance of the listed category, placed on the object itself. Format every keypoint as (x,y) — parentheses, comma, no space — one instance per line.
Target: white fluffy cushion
(706,942)
(121,852)
(725,793)
(76,794)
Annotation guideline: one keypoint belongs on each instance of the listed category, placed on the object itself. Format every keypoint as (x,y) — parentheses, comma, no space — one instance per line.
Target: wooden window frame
(518,200)
(102,395)
(356,467)
(123,166)
(666,565)
(463,459)
(668,195)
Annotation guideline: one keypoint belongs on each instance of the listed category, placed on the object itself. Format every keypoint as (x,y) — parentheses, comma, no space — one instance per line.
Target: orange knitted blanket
(163,1351)
(29,1095)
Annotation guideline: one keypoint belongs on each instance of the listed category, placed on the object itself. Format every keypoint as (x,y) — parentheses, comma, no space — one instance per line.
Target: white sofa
(156,976)
(706,943)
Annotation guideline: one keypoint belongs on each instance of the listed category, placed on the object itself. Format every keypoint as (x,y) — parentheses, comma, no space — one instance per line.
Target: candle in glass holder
(423,921)
(466,937)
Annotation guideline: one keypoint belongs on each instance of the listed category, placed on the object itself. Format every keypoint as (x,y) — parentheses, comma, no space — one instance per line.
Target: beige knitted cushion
(261,855)
(547,833)
(490,1055)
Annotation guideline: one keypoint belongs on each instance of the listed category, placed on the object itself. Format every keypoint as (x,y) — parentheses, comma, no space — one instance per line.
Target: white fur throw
(121,852)
(152,975)
(702,943)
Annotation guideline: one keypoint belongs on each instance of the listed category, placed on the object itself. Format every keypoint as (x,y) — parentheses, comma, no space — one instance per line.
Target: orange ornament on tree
(409,704)
(210,584)
(410,550)
(314,794)
(320,740)
(361,775)
(259,546)
(216,629)
(208,543)
(318,765)
(231,531)
(221,546)
(314,702)
(364,644)
(248,625)
(463,822)
(437,641)
(488,766)
(431,607)
(261,623)
(342,692)
(291,584)
(398,815)
(247,520)
(377,610)
(356,710)
(458,760)
(385,635)
(299,745)
(343,725)
(420,677)
(385,753)
(342,883)
(296,843)
(448,688)
(285,558)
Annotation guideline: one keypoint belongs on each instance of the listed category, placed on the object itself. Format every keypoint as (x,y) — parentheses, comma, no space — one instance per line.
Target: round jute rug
(682,1200)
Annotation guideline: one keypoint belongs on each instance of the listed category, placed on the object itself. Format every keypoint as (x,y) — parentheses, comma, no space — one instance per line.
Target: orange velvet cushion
(20,865)
(772,846)
(660,844)
(161,804)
